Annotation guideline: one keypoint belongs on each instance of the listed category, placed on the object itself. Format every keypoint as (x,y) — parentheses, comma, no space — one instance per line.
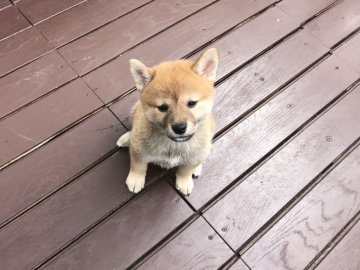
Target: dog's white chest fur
(167,162)
(168,154)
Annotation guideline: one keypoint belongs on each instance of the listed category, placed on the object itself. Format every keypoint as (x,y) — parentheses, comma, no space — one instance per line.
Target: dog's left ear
(142,74)
(206,65)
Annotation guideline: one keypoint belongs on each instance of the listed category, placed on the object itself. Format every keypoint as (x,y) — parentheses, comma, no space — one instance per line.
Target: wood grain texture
(83,18)
(32,81)
(133,229)
(20,49)
(250,39)
(300,11)
(40,232)
(44,118)
(173,43)
(11,21)
(336,23)
(350,52)
(197,247)
(346,254)
(87,53)
(250,205)
(255,136)
(39,10)
(51,166)
(312,223)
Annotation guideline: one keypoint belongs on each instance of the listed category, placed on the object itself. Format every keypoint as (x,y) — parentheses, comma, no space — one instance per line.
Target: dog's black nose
(179,128)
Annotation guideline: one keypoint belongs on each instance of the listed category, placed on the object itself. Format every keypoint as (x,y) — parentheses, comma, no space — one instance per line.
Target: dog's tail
(124,140)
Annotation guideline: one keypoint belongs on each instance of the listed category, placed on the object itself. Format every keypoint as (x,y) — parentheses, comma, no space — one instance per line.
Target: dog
(172,123)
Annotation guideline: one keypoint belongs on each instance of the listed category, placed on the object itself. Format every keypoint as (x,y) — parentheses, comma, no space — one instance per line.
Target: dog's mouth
(181,138)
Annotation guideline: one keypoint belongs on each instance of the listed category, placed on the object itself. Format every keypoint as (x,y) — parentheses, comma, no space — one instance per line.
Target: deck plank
(346,254)
(280,62)
(312,223)
(173,43)
(87,53)
(84,18)
(350,52)
(254,137)
(11,21)
(144,222)
(336,23)
(305,9)
(255,38)
(44,118)
(262,77)
(39,233)
(272,70)
(204,250)
(21,48)
(122,108)
(50,167)
(38,10)
(256,35)
(251,204)
(32,81)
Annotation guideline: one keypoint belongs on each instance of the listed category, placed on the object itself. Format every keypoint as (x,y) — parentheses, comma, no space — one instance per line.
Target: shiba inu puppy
(172,122)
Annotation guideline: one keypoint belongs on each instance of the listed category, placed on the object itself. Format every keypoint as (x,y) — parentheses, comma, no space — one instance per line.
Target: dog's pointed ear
(206,65)
(142,74)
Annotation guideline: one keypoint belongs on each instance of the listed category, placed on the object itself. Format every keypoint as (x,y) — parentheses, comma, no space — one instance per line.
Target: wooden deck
(281,188)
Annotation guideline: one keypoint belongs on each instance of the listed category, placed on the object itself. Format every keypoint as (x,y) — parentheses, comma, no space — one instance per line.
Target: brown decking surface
(281,188)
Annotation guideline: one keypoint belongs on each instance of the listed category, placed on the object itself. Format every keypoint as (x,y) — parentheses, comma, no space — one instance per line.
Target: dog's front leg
(124,140)
(136,178)
(184,178)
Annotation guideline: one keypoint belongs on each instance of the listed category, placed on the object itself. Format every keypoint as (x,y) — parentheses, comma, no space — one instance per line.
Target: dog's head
(178,95)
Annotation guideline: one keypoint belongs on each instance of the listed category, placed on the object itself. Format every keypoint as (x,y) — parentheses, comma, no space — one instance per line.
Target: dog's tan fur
(152,138)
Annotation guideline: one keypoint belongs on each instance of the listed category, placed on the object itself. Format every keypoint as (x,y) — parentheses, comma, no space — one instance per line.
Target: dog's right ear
(142,74)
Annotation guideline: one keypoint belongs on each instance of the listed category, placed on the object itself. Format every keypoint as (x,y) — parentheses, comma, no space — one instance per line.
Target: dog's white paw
(135,183)
(197,171)
(184,185)
(124,140)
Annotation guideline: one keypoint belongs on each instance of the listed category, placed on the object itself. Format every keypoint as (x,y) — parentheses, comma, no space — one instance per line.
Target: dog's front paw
(124,140)
(184,185)
(135,183)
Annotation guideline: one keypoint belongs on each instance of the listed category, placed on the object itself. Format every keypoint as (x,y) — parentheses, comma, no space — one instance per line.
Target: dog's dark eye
(192,104)
(163,108)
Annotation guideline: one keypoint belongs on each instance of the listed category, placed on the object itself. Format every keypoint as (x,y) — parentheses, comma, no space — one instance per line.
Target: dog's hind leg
(124,140)
(197,172)
(184,181)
